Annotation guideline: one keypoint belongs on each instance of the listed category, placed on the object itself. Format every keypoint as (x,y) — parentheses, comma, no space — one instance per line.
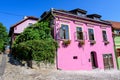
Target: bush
(38,50)
(35,43)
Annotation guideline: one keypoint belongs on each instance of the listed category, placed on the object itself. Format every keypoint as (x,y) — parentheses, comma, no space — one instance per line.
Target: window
(91,34)
(118,52)
(117,32)
(64,31)
(75,57)
(79,33)
(108,61)
(80,14)
(104,35)
(95,18)
(30,24)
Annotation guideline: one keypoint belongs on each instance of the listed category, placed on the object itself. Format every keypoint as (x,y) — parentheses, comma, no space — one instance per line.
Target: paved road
(3,64)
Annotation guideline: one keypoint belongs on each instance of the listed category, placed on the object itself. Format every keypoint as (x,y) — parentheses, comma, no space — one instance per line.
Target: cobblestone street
(13,72)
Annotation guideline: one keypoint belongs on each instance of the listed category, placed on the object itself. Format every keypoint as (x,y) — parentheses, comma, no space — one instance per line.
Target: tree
(36,43)
(3,36)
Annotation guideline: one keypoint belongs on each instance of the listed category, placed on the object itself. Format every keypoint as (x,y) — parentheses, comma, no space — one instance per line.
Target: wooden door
(118,52)
(94,60)
(108,61)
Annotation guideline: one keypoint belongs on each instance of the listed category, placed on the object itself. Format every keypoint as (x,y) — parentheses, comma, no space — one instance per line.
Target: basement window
(75,57)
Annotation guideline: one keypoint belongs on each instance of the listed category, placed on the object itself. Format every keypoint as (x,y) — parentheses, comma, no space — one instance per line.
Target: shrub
(39,50)
(36,43)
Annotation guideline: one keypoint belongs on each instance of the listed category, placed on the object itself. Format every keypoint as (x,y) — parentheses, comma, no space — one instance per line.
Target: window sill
(66,42)
(106,42)
(64,39)
(92,42)
(81,42)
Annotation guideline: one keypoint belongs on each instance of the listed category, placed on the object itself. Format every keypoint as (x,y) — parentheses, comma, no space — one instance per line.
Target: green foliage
(36,43)
(43,30)
(44,51)
(40,50)
(21,51)
(3,36)
(35,32)
(28,34)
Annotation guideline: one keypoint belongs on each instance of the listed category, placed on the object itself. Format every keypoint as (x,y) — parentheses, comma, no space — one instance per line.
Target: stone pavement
(13,72)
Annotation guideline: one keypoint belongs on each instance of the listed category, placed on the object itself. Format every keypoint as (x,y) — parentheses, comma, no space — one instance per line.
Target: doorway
(94,60)
(108,61)
(118,57)
(118,52)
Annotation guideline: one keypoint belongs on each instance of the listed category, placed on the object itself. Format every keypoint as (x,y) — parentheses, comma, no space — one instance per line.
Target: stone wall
(41,65)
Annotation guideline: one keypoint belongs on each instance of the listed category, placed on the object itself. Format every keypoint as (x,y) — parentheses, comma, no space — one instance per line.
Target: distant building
(7,49)
(85,41)
(116,35)
(19,27)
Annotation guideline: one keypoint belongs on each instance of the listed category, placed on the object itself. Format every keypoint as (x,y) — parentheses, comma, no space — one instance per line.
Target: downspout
(115,48)
(54,23)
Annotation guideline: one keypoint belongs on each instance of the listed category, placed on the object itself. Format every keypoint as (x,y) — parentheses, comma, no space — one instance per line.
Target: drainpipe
(53,24)
(115,51)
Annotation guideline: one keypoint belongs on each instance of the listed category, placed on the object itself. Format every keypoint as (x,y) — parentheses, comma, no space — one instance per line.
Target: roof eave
(107,23)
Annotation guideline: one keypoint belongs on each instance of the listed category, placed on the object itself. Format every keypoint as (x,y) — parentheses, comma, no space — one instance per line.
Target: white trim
(63,20)
(84,21)
(89,25)
(79,23)
(103,27)
(80,26)
(68,28)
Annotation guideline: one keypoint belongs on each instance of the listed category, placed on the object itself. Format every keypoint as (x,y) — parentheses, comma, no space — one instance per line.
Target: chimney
(25,17)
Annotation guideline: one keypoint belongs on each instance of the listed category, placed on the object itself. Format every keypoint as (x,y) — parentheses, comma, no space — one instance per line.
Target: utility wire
(12,14)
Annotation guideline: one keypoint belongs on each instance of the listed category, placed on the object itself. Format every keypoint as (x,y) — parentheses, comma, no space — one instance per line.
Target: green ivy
(35,43)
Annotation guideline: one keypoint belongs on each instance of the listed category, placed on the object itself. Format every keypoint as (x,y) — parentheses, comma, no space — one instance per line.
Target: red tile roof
(115,25)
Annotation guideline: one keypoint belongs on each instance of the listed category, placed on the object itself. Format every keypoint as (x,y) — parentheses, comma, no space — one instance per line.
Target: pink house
(19,27)
(85,41)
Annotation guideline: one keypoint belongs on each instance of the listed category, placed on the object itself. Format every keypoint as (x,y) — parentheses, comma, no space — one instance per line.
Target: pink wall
(65,55)
(20,28)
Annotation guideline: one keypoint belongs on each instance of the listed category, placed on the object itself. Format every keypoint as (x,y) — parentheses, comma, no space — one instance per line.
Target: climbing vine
(36,43)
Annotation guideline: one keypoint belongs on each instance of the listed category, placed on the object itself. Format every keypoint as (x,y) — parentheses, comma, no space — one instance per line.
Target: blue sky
(12,11)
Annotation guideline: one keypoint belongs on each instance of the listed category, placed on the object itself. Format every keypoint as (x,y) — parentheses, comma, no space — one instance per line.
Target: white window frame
(82,31)
(106,35)
(68,29)
(93,32)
